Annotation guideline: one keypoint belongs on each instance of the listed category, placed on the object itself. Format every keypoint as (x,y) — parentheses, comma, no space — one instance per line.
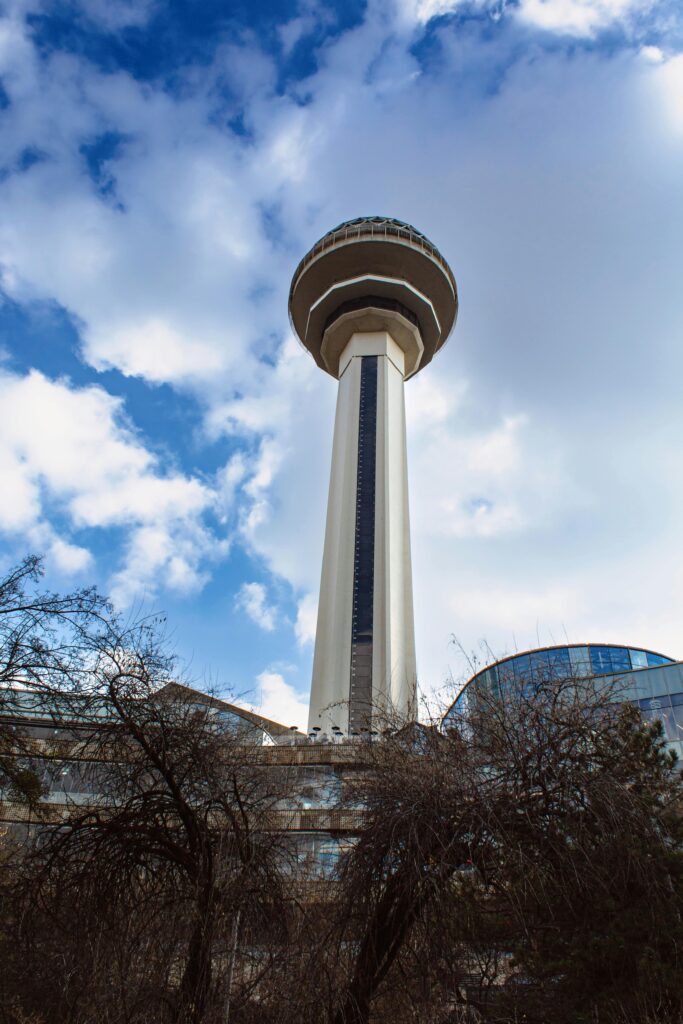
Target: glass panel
(314,787)
(635,686)
(315,856)
(559,661)
(506,673)
(522,668)
(327,856)
(620,659)
(676,698)
(659,708)
(461,703)
(579,658)
(539,666)
(652,685)
(601,660)
(638,659)
(669,678)
(677,716)
(656,703)
(657,659)
(671,730)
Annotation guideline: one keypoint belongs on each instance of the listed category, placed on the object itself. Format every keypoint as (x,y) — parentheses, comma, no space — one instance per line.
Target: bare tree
(43,641)
(528,861)
(172,855)
(524,863)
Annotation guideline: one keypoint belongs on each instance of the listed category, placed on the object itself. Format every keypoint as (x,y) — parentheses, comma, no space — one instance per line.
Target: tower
(372,301)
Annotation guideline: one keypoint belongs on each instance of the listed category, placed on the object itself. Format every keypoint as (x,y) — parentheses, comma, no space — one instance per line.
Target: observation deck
(373,274)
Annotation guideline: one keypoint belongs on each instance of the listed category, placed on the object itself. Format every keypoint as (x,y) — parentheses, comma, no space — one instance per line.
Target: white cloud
(280,701)
(159,271)
(422,11)
(578,17)
(70,558)
(652,54)
(72,448)
(253,599)
(306,619)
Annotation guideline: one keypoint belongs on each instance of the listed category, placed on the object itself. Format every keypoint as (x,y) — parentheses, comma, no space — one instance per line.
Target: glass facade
(72,782)
(316,788)
(59,727)
(76,710)
(316,855)
(651,680)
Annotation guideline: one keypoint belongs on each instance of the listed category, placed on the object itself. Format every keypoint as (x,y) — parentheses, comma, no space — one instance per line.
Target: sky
(164,164)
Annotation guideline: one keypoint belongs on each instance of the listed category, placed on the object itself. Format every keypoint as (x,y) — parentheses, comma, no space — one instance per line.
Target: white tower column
(364,658)
(373,301)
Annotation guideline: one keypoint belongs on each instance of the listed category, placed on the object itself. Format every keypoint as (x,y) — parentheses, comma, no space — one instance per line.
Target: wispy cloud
(253,600)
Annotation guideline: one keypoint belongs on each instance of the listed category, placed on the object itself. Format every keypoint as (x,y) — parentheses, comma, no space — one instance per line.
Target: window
(660,709)
(560,663)
(638,659)
(539,666)
(657,659)
(580,661)
(621,662)
(601,661)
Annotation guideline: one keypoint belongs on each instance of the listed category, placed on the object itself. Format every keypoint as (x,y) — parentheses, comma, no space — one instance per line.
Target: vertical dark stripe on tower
(360,690)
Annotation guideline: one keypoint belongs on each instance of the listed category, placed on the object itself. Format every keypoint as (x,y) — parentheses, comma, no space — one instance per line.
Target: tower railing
(373,227)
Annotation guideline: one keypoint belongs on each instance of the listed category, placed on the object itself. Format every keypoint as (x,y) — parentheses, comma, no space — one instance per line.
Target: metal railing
(373,227)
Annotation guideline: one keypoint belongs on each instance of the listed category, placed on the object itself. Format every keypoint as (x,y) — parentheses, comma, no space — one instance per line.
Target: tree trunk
(195,988)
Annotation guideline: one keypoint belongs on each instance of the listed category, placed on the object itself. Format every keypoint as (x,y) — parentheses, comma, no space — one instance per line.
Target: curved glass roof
(566,661)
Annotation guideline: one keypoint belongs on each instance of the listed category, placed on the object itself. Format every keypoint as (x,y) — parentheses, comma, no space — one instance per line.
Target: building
(650,680)
(318,815)
(373,301)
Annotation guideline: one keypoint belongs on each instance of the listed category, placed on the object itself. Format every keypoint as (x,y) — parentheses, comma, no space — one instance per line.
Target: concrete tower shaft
(373,301)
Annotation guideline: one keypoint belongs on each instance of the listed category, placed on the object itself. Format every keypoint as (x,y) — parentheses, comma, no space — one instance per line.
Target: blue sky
(163,167)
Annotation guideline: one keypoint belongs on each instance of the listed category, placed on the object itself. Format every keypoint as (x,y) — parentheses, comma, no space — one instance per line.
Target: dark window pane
(621,661)
(659,709)
(539,667)
(601,660)
(560,663)
(656,703)
(521,668)
(506,673)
